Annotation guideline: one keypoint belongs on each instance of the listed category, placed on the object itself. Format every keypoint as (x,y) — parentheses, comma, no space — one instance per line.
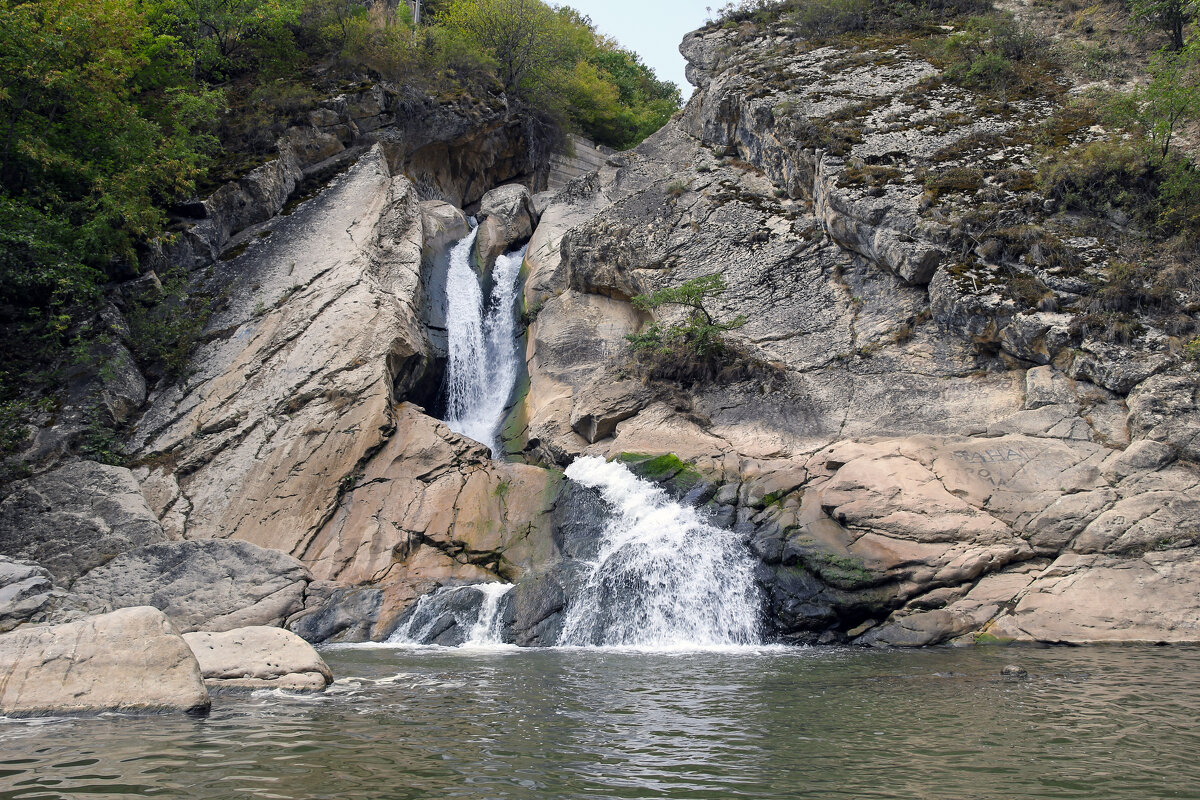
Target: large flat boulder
(211,584)
(129,660)
(1088,599)
(75,518)
(258,657)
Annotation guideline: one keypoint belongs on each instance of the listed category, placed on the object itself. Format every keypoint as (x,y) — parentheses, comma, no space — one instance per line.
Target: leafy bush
(695,349)
(986,55)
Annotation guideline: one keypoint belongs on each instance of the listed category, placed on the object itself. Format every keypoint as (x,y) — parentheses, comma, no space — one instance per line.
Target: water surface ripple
(429,723)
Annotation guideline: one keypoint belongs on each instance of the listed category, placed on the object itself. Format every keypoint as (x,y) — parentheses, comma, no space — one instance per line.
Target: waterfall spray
(483,363)
(664,577)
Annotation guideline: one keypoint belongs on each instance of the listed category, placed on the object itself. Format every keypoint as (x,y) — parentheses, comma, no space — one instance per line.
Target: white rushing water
(474,609)
(664,578)
(483,359)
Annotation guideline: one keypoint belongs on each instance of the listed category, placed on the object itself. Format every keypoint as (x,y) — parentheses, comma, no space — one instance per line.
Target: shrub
(693,350)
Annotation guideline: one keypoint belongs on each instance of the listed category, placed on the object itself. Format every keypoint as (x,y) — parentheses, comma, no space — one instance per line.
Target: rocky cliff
(926,454)
(916,447)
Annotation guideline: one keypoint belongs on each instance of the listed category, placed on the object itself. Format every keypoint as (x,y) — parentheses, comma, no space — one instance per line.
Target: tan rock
(129,660)
(507,216)
(258,657)
(295,390)
(1086,599)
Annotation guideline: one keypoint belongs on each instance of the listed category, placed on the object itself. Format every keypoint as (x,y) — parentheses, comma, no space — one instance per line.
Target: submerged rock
(129,660)
(258,657)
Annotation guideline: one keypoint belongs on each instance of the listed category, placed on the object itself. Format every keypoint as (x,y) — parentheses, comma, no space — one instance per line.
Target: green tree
(1171,16)
(524,37)
(100,128)
(223,35)
(701,334)
(1168,101)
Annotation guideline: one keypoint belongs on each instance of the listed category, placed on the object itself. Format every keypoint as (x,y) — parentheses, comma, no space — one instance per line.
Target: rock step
(587,157)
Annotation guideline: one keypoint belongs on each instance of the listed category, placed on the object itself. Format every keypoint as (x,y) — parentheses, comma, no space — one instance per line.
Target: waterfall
(483,358)
(467,616)
(663,578)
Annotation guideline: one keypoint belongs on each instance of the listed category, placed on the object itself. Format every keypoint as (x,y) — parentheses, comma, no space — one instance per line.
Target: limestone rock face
(1093,598)
(921,431)
(295,390)
(210,585)
(1166,408)
(26,590)
(75,518)
(506,217)
(431,508)
(258,657)
(129,660)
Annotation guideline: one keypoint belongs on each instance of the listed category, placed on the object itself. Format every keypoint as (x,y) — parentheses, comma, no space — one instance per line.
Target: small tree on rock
(694,348)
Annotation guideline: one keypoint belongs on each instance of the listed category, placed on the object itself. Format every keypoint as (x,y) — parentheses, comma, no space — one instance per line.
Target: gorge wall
(913,450)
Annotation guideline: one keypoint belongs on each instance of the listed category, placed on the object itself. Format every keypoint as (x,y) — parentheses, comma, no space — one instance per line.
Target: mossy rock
(843,572)
(679,477)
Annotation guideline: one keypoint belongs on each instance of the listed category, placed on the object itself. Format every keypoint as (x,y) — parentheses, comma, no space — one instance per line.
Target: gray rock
(210,584)
(343,615)
(1046,386)
(26,590)
(1116,368)
(129,660)
(258,657)
(76,518)
(506,217)
(1166,408)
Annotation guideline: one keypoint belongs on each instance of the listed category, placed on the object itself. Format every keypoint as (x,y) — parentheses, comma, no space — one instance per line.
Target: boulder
(337,614)
(258,657)
(506,218)
(442,224)
(129,660)
(76,518)
(1166,408)
(211,584)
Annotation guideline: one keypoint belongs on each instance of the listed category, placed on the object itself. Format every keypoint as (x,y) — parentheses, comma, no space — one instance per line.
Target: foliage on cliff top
(825,18)
(111,112)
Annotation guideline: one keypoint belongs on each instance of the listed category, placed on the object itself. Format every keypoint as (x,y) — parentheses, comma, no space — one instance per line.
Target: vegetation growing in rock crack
(690,350)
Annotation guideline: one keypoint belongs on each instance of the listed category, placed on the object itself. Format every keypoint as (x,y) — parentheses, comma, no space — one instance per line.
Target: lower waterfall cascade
(468,614)
(483,359)
(664,577)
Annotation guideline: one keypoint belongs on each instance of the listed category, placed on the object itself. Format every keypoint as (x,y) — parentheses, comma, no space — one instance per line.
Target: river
(935,724)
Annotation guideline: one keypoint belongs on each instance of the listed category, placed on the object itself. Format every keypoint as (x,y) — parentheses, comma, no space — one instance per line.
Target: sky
(651,28)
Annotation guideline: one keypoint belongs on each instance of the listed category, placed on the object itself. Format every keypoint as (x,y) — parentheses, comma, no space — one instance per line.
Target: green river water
(765,724)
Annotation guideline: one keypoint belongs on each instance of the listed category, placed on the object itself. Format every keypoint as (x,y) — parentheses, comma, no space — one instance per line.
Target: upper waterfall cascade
(483,363)
(664,577)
